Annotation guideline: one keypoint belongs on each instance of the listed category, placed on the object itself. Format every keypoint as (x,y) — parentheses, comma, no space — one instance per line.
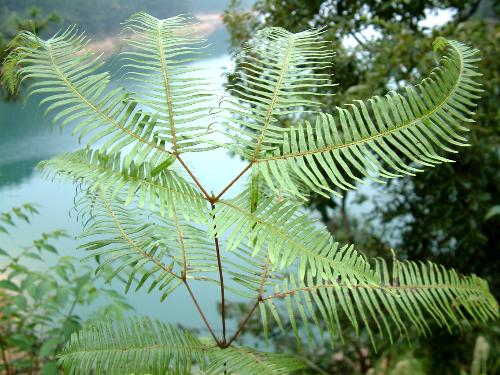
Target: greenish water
(26,138)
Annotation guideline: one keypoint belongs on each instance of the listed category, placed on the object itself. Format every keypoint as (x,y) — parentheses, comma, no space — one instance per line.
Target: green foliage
(33,22)
(138,346)
(456,225)
(99,18)
(154,226)
(142,242)
(39,309)
(443,296)
(248,361)
(161,77)
(348,144)
(146,346)
(156,186)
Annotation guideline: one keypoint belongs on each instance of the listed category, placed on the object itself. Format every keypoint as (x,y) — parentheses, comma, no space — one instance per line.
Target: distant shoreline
(208,23)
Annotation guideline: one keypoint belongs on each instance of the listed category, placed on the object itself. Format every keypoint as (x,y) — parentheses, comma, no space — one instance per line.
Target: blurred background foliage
(13,22)
(448,214)
(41,304)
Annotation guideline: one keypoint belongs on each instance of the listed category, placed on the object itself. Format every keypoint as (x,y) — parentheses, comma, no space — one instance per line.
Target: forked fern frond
(161,66)
(158,187)
(133,346)
(412,294)
(134,140)
(385,137)
(161,250)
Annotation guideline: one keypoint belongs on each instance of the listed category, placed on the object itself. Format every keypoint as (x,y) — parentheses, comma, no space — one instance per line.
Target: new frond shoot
(149,217)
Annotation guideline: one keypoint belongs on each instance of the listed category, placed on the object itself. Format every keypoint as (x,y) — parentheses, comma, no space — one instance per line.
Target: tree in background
(41,303)
(447,214)
(12,25)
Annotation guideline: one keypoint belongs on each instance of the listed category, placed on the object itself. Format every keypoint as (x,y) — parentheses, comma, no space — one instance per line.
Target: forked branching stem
(244,322)
(234,180)
(222,343)
(260,298)
(190,173)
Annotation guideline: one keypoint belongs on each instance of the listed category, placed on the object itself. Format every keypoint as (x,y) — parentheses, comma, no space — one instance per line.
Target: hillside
(100,18)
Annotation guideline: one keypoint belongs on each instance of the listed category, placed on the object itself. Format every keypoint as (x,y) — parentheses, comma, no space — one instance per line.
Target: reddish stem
(221,278)
(208,196)
(234,181)
(201,313)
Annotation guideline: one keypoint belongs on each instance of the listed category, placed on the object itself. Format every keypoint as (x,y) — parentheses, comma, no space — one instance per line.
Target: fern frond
(160,65)
(133,346)
(252,273)
(246,361)
(279,74)
(68,76)
(145,346)
(384,137)
(288,236)
(158,187)
(413,293)
(145,247)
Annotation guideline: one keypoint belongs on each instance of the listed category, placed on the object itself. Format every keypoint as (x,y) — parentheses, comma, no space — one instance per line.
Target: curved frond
(155,186)
(412,294)
(133,346)
(246,361)
(386,136)
(160,64)
(279,74)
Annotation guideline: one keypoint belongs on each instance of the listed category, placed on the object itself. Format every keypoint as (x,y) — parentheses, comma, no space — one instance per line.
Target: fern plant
(150,217)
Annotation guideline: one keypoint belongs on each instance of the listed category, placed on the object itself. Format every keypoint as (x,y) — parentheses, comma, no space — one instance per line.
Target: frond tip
(67,74)
(160,62)
(279,74)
